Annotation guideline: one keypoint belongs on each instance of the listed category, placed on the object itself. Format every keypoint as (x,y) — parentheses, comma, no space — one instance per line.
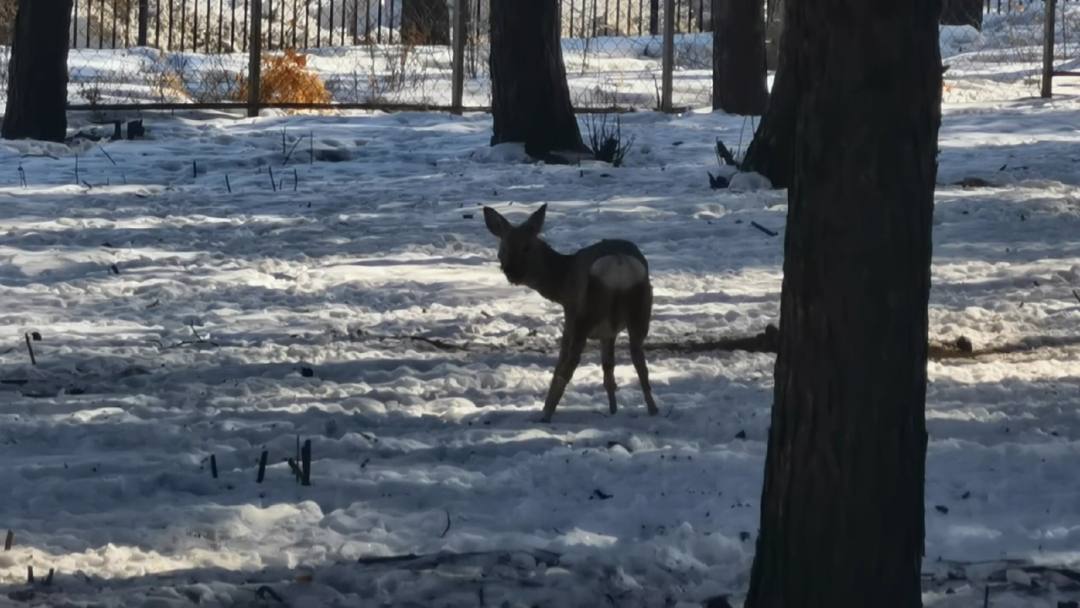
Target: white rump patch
(618,271)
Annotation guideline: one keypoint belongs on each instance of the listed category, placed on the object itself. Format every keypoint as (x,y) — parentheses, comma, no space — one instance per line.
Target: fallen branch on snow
(768,341)
(427,562)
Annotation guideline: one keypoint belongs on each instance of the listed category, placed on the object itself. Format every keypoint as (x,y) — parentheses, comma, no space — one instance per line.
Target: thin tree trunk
(770,151)
(425,22)
(842,503)
(739,57)
(654,18)
(37,73)
(530,100)
(962,12)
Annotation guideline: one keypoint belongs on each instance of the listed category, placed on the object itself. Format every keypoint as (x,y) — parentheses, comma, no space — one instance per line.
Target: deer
(603,289)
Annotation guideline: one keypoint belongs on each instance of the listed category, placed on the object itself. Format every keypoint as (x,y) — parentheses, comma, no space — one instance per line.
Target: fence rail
(400,53)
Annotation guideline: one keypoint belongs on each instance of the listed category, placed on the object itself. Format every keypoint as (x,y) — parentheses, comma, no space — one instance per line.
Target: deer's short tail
(619,272)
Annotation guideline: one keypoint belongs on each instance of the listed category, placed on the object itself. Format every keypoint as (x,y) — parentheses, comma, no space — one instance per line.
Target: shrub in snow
(286,79)
(606,140)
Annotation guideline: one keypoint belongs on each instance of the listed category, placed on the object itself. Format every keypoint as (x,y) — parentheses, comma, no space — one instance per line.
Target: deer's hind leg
(638,329)
(607,361)
(573,342)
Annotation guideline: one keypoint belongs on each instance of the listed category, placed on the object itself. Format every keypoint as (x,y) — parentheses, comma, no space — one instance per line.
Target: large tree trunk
(739,57)
(530,101)
(37,73)
(962,12)
(425,22)
(842,504)
(770,151)
(774,11)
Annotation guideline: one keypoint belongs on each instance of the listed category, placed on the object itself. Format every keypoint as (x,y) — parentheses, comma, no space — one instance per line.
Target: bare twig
(228,186)
(764,229)
(262,466)
(106,153)
(273,182)
(447,528)
(30,349)
(305,463)
(291,150)
(213,466)
(1076,294)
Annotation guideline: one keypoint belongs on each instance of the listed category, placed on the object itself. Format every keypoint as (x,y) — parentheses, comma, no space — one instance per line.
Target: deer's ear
(496,223)
(535,223)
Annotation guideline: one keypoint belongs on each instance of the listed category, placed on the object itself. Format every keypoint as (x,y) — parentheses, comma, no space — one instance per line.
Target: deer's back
(613,286)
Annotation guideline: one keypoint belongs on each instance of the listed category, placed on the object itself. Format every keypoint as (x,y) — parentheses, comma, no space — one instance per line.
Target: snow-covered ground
(357,303)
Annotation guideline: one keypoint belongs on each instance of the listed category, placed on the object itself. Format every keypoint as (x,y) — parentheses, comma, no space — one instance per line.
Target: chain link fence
(399,53)
(995,50)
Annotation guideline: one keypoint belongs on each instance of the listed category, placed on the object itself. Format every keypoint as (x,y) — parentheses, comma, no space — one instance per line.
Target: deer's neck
(554,272)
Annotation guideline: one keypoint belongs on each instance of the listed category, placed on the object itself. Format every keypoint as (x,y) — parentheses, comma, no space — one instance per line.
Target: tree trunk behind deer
(962,12)
(739,57)
(530,100)
(842,503)
(425,22)
(38,74)
(770,151)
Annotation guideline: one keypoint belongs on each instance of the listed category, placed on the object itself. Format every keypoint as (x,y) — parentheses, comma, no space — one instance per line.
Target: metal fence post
(1048,49)
(669,55)
(144,19)
(254,58)
(459,56)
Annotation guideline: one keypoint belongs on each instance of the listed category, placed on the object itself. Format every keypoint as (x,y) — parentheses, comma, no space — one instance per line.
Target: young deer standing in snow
(603,288)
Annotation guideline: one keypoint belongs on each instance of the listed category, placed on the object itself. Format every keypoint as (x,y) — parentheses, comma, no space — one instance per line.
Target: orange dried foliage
(286,79)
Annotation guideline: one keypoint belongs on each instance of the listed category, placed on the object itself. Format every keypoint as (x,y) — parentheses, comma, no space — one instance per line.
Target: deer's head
(520,248)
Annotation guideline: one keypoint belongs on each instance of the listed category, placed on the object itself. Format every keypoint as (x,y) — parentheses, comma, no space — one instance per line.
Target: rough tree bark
(962,12)
(37,73)
(770,151)
(842,503)
(739,85)
(530,101)
(774,11)
(425,22)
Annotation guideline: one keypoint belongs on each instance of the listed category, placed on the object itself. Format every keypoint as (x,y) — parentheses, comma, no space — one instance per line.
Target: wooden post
(255,58)
(669,55)
(1048,50)
(144,20)
(459,56)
